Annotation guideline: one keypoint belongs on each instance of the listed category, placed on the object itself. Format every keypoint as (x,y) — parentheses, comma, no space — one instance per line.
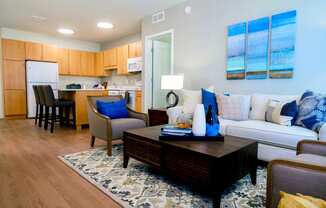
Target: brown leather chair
(306,174)
(103,127)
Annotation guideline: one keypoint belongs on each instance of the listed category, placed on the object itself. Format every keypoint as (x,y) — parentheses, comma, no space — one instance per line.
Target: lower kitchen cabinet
(138,101)
(15,103)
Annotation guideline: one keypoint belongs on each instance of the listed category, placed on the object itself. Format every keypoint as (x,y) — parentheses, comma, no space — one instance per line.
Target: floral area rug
(141,186)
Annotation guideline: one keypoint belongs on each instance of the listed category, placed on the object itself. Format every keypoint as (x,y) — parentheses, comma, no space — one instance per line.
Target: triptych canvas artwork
(262,48)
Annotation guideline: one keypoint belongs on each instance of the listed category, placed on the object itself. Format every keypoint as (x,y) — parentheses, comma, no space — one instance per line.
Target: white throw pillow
(273,113)
(234,107)
(259,103)
(191,98)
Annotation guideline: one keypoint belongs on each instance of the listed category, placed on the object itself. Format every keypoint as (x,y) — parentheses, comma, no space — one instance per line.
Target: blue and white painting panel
(257,49)
(236,51)
(283,45)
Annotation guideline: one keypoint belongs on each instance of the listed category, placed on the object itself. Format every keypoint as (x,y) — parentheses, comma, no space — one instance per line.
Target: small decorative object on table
(212,123)
(199,122)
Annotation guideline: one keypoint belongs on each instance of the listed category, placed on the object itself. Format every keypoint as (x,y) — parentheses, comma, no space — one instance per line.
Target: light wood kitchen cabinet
(49,52)
(99,67)
(14,75)
(13,50)
(87,63)
(63,60)
(15,103)
(135,49)
(34,51)
(122,53)
(110,59)
(138,102)
(74,62)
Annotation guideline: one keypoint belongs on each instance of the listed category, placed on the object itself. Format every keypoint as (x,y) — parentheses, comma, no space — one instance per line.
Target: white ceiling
(80,15)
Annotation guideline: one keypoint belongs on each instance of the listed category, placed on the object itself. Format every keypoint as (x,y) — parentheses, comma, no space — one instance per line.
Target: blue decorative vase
(212,123)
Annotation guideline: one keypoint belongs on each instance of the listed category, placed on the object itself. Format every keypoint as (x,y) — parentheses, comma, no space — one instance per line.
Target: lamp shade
(172,82)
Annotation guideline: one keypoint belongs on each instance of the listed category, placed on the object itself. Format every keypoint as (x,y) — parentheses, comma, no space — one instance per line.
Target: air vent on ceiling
(158,17)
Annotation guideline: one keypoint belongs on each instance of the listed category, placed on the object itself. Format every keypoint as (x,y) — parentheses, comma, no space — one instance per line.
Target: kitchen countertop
(89,89)
(110,88)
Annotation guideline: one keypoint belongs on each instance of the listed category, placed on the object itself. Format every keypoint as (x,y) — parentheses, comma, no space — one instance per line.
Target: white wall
(201,41)
(122,41)
(41,38)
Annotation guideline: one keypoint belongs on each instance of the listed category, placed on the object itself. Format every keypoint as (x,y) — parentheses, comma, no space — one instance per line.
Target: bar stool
(42,104)
(38,105)
(52,104)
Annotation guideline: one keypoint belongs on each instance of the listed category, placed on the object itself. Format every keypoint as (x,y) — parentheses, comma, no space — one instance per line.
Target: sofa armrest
(99,124)
(141,116)
(311,147)
(322,133)
(174,113)
(294,177)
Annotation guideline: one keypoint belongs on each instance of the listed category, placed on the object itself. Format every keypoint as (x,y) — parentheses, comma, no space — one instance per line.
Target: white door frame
(148,64)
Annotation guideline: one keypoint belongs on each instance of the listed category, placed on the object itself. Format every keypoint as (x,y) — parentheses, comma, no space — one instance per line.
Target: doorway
(159,61)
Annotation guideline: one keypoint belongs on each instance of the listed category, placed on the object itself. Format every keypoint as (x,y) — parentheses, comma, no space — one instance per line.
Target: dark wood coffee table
(211,166)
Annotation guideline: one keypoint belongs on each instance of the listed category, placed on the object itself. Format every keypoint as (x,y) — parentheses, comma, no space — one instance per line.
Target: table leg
(217,199)
(125,158)
(253,176)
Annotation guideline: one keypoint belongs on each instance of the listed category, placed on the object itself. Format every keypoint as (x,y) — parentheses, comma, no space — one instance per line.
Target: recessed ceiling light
(38,18)
(105,25)
(66,31)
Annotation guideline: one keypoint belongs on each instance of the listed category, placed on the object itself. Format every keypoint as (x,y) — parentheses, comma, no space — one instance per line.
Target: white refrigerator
(40,73)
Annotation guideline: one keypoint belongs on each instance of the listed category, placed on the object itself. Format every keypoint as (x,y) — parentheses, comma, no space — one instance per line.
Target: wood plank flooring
(31,176)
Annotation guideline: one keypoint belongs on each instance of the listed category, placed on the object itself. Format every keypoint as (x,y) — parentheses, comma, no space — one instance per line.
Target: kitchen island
(79,96)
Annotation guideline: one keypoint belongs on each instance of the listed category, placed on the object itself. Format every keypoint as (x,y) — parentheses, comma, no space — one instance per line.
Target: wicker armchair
(105,128)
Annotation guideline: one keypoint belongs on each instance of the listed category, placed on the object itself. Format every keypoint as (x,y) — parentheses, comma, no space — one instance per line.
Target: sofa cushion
(122,124)
(224,123)
(312,159)
(270,133)
(259,104)
(234,107)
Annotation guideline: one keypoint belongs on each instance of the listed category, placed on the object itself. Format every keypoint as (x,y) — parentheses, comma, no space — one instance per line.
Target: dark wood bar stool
(38,105)
(51,104)
(42,104)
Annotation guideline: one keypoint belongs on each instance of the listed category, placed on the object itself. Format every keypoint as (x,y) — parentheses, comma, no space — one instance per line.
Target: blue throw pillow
(290,109)
(209,98)
(115,109)
(312,111)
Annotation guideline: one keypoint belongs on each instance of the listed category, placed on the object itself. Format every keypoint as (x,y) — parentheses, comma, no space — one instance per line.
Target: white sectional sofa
(274,140)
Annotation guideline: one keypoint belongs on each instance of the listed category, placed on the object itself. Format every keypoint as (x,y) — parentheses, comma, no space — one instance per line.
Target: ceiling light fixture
(105,25)
(66,31)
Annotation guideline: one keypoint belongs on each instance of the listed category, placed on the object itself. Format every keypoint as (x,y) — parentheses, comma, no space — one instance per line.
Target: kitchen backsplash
(118,80)
(88,82)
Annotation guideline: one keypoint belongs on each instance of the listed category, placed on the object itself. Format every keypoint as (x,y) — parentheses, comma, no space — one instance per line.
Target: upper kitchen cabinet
(74,62)
(87,63)
(99,67)
(34,51)
(63,60)
(49,53)
(135,49)
(110,59)
(122,53)
(13,50)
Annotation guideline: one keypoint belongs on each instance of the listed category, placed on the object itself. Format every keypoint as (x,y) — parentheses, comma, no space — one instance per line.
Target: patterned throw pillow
(234,107)
(300,201)
(312,111)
